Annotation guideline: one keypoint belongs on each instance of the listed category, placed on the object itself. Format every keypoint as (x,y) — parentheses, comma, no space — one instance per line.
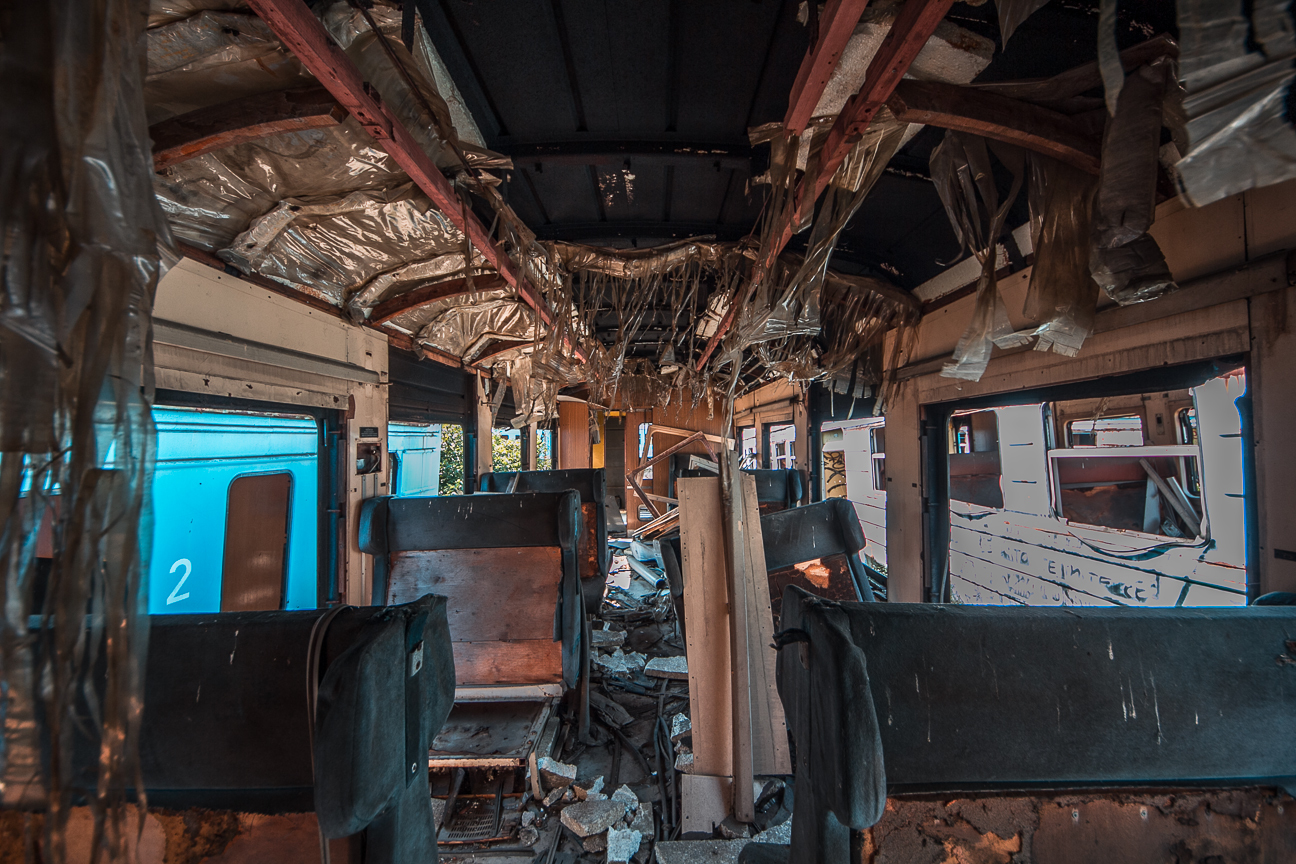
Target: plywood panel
(1201,241)
(505,594)
(573,435)
(770,753)
(535,661)
(904,508)
(1273,357)
(706,600)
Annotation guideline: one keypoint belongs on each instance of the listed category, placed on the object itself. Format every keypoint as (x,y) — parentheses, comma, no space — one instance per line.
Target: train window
(256,543)
(506,449)
(544,460)
(1186,420)
(877,452)
(1126,431)
(974,466)
(750,447)
(782,437)
(833,463)
(415,458)
(450,466)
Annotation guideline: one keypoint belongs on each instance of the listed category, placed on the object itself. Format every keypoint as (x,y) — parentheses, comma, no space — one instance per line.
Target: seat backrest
(815,548)
(591,483)
(963,699)
(506,564)
(777,488)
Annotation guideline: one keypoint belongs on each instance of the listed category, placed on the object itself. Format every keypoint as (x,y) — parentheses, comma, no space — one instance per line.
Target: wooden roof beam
(393,307)
(914,25)
(968,109)
(242,120)
(304,35)
(837,24)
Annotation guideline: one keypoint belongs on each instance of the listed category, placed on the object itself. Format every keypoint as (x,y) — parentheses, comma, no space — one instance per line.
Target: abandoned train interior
(542,431)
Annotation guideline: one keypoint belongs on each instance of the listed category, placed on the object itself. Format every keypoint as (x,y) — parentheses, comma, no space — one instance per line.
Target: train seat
(233,721)
(894,698)
(816,548)
(591,483)
(776,488)
(507,565)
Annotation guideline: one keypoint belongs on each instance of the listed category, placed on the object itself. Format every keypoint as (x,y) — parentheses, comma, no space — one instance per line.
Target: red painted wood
(836,24)
(401,303)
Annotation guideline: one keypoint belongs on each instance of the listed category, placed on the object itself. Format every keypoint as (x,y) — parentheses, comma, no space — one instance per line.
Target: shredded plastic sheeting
(1239,125)
(211,199)
(964,176)
(337,246)
(82,233)
(1125,260)
(1062,293)
(213,57)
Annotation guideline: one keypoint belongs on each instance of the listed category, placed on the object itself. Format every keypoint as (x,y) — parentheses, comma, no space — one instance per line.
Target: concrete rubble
(588,818)
(622,844)
(555,773)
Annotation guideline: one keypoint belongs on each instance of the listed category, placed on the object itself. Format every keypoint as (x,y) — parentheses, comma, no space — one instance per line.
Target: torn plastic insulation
(1240,132)
(83,232)
(1125,260)
(964,177)
(1062,293)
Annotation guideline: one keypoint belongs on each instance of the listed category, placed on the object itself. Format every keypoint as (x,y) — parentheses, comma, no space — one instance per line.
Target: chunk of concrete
(556,774)
(607,639)
(674,668)
(680,726)
(643,820)
(684,761)
(588,818)
(628,797)
(622,844)
(597,843)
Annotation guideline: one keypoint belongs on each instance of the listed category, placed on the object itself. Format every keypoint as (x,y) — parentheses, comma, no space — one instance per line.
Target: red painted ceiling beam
(299,29)
(836,25)
(425,294)
(913,26)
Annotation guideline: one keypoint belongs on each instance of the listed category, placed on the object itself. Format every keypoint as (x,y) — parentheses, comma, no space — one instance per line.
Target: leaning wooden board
(706,601)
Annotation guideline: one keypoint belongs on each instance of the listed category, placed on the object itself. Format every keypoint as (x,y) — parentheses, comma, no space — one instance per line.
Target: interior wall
(573,434)
(1230,261)
(218,335)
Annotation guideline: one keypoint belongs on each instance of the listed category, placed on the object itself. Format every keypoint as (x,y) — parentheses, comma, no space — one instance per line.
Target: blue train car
(225,482)
(415,454)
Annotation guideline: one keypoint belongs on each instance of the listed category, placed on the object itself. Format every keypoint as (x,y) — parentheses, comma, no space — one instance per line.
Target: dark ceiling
(627,119)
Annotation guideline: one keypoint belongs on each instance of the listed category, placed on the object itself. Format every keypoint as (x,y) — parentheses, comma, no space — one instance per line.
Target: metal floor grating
(473,822)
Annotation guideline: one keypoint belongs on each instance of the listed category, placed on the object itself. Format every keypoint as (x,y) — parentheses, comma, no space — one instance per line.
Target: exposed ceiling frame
(914,25)
(394,307)
(1012,121)
(239,121)
(304,35)
(837,24)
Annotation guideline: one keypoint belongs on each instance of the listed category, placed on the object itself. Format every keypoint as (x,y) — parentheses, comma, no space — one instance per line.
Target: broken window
(544,450)
(974,466)
(506,449)
(834,464)
(1106,432)
(877,454)
(450,471)
(750,447)
(782,452)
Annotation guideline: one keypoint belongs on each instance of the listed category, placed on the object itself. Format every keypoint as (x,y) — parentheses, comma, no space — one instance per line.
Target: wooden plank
(836,26)
(240,121)
(737,567)
(503,594)
(535,661)
(770,754)
(968,109)
(706,599)
(424,294)
(704,800)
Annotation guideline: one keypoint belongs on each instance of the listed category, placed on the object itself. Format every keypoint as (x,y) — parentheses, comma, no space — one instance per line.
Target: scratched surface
(982,697)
